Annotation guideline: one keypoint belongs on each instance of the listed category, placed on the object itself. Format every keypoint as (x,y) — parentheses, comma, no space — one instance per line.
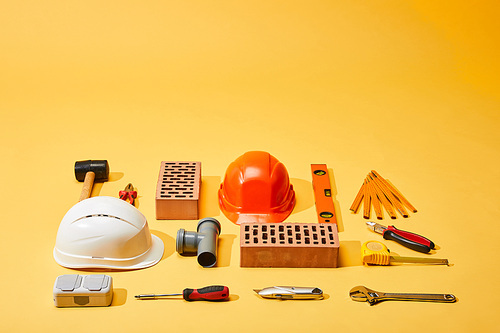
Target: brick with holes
(178,191)
(304,245)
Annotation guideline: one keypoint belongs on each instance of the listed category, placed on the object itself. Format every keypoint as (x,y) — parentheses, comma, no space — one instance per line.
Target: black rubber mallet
(90,171)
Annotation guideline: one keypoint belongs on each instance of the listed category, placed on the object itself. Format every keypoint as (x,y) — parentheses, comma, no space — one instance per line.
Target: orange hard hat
(256,188)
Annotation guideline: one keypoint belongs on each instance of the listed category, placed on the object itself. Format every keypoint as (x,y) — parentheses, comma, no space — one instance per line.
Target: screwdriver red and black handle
(210,293)
(408,239)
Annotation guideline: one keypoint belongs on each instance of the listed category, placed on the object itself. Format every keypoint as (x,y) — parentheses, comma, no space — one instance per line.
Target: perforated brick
(178,191)
(288,245)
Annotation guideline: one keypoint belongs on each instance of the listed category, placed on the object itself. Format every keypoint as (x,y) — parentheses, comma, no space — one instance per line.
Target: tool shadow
(119,297)
(349,254)
(168,243)
(303,195)
(336,204)
(112,177)
(224,250)
(209,203)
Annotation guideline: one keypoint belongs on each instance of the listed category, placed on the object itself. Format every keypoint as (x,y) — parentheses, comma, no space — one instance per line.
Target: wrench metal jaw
(363,294)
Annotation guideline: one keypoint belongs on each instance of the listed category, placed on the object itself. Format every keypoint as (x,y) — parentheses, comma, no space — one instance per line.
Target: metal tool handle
(446,298)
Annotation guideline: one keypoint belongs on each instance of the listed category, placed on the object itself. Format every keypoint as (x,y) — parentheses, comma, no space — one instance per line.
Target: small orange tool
(323,194)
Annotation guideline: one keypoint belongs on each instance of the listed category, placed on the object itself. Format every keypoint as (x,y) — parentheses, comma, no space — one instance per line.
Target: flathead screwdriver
(210,293)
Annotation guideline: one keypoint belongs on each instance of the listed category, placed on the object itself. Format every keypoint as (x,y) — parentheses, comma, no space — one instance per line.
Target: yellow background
(407,88)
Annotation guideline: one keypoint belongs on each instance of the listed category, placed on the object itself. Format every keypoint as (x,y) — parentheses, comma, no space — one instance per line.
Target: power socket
(72,290)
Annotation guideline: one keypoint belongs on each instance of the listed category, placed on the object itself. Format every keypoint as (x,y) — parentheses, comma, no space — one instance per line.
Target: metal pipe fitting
(203,243)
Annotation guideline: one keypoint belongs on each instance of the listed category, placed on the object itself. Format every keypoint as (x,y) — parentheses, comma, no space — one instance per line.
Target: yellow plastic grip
(375,253)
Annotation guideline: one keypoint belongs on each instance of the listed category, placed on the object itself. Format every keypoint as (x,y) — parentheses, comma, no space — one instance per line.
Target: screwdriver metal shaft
(155,295)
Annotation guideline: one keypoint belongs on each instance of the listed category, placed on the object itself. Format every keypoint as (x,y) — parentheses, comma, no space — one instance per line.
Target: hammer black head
(99,167)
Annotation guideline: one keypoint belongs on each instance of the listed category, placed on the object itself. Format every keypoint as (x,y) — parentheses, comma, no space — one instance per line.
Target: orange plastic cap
(256,188)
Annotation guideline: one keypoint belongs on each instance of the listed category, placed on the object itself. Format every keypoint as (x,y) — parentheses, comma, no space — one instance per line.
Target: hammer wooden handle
(88,183)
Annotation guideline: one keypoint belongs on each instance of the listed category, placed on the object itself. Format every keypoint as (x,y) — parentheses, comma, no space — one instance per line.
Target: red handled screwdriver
(210,293)
(405,238)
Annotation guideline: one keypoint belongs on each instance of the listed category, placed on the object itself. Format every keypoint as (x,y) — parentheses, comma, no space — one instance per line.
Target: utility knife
(290,292)
(405,238)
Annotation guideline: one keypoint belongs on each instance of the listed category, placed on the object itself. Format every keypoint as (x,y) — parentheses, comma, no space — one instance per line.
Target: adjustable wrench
(363,294)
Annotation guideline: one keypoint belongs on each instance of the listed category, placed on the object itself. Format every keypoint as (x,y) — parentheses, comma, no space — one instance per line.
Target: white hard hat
(106,232)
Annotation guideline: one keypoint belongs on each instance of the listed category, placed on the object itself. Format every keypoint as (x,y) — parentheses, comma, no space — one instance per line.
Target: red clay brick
(288,245)
(178,191)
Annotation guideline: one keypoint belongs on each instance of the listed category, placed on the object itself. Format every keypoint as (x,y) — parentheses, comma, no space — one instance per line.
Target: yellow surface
(407,88)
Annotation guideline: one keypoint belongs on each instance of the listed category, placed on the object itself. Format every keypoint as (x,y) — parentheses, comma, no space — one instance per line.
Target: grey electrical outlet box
(83,290)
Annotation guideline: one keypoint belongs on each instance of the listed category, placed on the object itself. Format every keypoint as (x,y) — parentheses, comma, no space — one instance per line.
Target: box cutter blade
(281,292)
